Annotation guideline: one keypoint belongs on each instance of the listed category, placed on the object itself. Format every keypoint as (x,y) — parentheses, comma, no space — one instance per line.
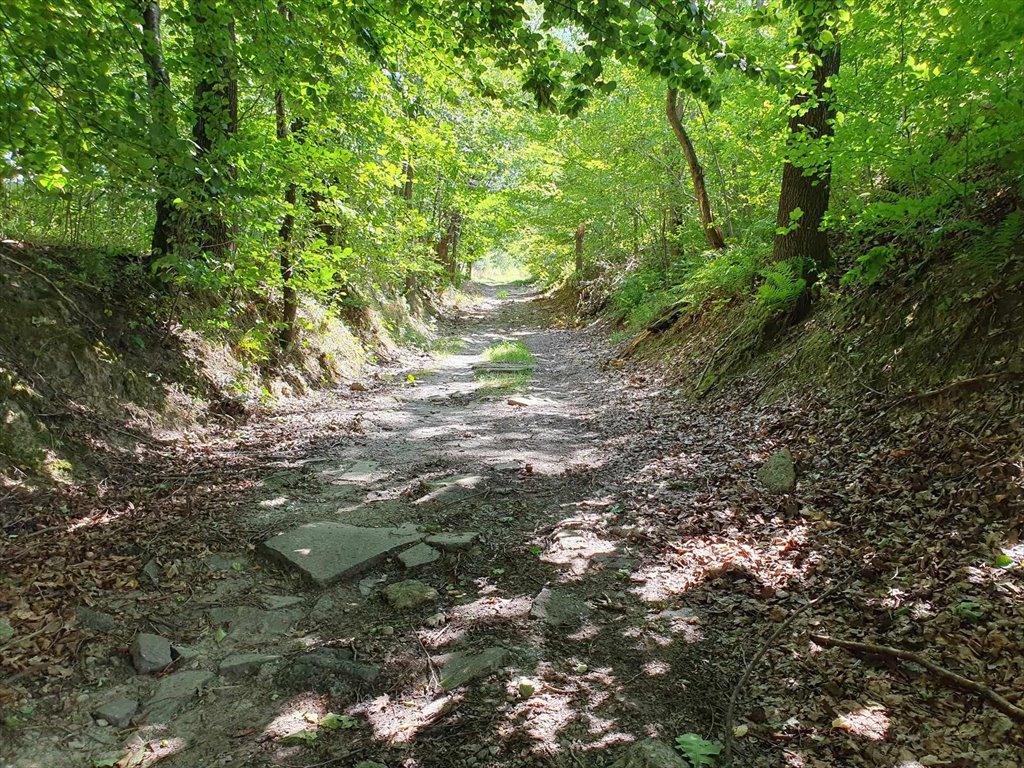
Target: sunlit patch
(794,759)
(870,722)
(703,558)
(542,717)
(399,720)
(489,610)
(574,548)
(106,517)
(588,631)
(682,621)
(146,753)
(303,551)
(299,714)
(277,502)
(656,668)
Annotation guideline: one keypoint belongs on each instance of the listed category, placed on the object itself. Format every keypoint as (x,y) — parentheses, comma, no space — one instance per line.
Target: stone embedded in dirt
(459,668)
(276,602)
(451,486)
(451,542)
(174,692)
(370,583)
(421,554)
(97,620)
(150,653)
(508,466)
(357,386)
(246,621)
(224,563)
(118,712)
(778,474)
(355,472)
(151,570)
(326,552)
(322,608)
(528,401)
(243,664)
(650,753)
(556,607)
(326,670)
(409,594)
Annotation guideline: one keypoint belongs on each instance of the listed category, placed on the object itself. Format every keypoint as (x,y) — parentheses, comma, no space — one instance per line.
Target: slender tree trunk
(804,197)
(700,190)
(163,129)
(581,232)
(215,105)
(289,303)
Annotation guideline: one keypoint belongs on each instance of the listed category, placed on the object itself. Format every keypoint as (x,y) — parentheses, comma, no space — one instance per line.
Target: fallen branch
(954,385)
(53,285)
(951,678)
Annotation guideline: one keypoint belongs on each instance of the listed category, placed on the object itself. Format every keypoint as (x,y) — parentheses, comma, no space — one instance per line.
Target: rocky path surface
(422,572)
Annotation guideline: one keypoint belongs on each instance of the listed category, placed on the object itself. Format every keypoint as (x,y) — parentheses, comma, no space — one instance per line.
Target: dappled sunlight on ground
(702,558)
(398,720)
(868,722)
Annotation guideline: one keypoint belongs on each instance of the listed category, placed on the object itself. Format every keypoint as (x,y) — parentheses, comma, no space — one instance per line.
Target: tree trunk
(289,304)
(700,190)
(215,105)
(163,129)
(803,199)
(581,232)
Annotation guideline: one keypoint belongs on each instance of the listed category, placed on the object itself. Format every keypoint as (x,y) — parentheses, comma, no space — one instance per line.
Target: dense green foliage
(322,147)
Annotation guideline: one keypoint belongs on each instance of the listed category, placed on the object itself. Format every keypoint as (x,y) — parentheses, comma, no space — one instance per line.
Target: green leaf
(333,721)
(698,751)
(299,737)
(1004,561)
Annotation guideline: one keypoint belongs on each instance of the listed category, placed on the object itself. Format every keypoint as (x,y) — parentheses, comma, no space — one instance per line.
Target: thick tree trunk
(700,190)
(581,232)
(215,105)
(803,199)
(289,302)
(163,129)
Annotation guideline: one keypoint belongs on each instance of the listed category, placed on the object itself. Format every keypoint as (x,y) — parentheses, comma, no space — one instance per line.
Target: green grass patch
(512,353)
(503,293)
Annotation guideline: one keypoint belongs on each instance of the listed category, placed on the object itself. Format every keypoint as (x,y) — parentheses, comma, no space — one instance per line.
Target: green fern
(783,285)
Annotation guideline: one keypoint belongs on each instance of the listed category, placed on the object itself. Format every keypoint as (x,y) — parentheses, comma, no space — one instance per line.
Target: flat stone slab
(118,712)
(327,552)
(243,664)
(247,622)
(459,668)
(450,486)
(357,472)
(174,692)
(275,602)
(420,554)
(150,653)
(556,608)
(452,542)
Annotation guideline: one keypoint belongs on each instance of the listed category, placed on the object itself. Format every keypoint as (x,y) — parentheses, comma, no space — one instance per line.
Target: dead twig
(950,678)
(730,712)
(53,285)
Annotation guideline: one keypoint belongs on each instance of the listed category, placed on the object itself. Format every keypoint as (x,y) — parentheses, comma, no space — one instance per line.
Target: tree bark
(289,303)
(581,232)
(804,196)
(163,129)
(215,105)
(700,190)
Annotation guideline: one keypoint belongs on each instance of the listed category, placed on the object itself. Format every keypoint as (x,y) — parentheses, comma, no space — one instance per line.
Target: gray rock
(459,668)
(322,608)
(650,754)
(326,670)
(90,619)
(246,621)
(370,583)
(243,664)
(224,563)
(118,712)
(150,653)
(174,692)
(409,594)
(151,570)
(326,552)
(275,602)
(451,542)
(556,608)
(421,554)
(778,474)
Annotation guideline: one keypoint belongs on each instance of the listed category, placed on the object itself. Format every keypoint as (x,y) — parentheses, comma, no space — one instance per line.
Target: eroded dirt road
(626,566)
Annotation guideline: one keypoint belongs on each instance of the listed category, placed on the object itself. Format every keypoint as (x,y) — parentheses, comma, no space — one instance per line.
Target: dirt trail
(626,565)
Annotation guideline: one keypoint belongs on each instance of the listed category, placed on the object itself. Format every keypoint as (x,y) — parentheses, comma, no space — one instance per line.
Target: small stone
(459,668)
(409,594)
(102,723)
(117,712)
(275,602)
(526,689)
(419,555)
(437,620)
(150,653)
(151,570)
(242,664)
(322,608)
(370,583)
(452,542)
(357,386)
(97,620)
(778,474)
